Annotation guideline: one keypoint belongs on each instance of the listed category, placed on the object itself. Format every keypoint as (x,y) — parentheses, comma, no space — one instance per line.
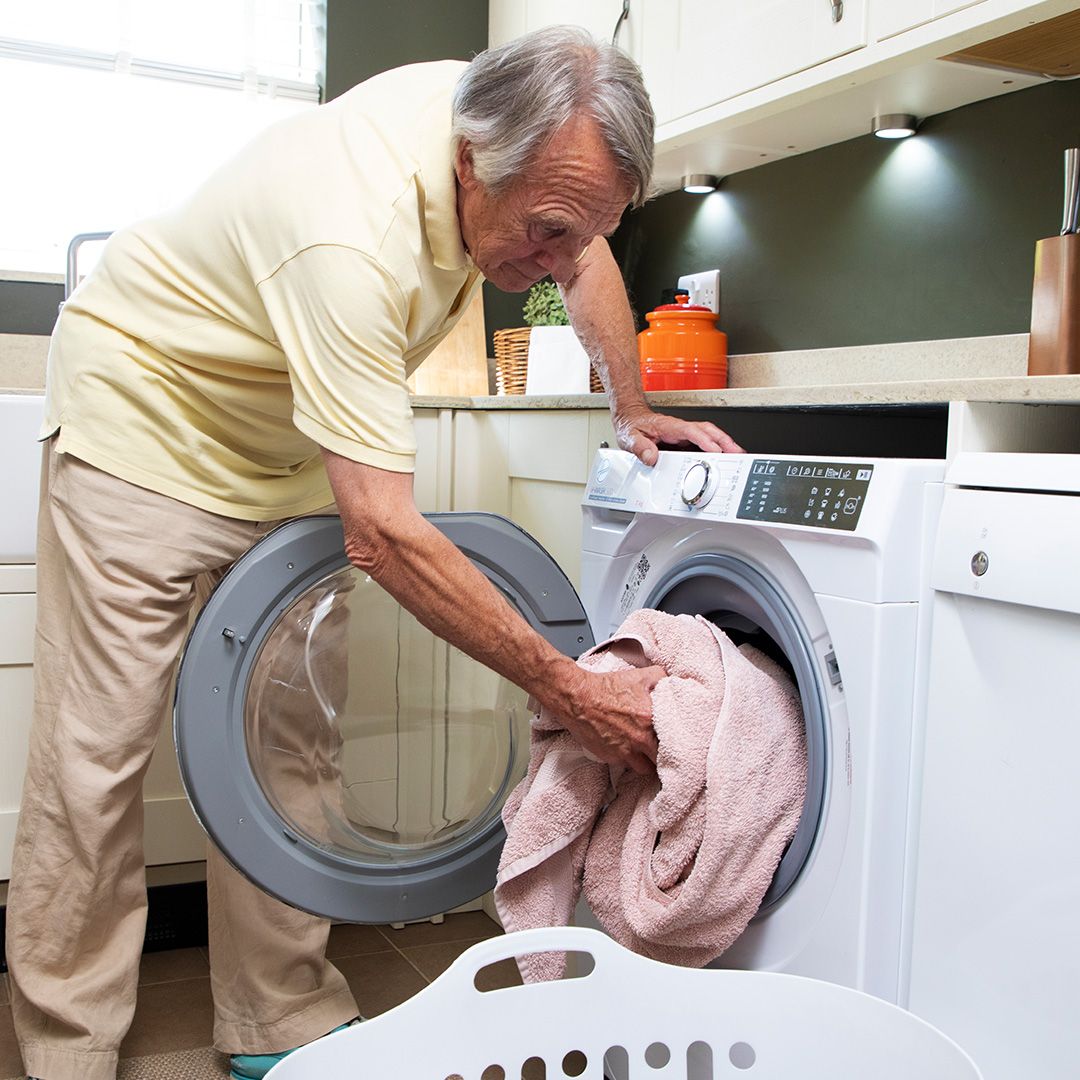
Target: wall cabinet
(896,16)
(695,55)
(508,19)
(737,84)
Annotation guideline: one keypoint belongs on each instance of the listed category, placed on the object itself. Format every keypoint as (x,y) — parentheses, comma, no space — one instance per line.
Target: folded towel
(674,865)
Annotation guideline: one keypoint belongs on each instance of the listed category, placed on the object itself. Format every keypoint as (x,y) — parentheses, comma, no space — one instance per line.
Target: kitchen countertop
(1041,390)
(905,373)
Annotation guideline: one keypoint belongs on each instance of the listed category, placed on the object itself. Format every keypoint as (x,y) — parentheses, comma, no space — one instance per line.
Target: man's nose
(559,257)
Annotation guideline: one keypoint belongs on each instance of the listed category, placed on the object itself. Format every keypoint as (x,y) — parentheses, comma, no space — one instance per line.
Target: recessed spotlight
(894,125)
(700,183)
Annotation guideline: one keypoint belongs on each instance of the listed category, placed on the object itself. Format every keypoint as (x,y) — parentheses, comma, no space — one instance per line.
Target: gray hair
(511,99)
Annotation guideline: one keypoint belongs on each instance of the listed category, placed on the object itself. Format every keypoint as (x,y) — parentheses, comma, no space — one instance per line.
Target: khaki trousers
(119,570)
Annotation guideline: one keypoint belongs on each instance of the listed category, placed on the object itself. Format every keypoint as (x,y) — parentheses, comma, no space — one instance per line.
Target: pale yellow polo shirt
(215,348)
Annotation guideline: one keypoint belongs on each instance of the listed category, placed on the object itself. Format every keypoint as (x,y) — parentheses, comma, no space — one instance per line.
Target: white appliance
(992,908)
(20,453)
(823,564)
(355,767)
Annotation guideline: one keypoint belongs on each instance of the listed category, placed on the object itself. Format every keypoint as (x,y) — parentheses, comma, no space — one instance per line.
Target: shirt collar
(439,184)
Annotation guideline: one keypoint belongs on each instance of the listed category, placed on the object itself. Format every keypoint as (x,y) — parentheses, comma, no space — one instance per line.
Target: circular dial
(695,485)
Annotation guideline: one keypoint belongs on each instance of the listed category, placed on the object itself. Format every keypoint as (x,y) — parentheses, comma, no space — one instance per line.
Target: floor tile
(355,941)
(380,981)
(10,1058)
(172,965)
(171,1016)
(432,960)
(465,926)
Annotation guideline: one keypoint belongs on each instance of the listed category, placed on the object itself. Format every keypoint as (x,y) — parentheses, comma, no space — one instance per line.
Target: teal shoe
(256,1066)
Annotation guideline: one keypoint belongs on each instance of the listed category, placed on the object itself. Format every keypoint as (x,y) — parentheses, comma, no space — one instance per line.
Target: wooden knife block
(1054,347)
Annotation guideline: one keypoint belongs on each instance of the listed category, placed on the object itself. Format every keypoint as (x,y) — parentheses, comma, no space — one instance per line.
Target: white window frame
(53,161)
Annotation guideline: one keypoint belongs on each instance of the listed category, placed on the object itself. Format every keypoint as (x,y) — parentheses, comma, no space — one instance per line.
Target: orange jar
(682,349)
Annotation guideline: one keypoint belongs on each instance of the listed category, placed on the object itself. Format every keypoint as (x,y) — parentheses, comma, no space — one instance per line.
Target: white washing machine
(355,766)
(824,565)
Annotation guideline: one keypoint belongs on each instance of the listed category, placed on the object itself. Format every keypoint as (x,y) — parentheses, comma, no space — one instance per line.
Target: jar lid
(683,307)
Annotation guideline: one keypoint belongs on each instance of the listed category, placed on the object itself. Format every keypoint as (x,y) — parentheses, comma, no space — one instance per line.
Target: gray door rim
(208,719)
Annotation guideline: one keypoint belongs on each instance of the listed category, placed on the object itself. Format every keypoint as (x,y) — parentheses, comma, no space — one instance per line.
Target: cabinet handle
(837,10)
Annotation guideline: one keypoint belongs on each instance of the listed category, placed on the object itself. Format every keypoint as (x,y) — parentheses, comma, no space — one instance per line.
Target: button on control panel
(822,494)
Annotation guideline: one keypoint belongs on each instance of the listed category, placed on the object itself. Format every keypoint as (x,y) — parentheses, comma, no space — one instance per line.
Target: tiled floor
(384,968)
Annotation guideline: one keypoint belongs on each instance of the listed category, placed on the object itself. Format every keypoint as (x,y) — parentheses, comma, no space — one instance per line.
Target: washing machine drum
(339,754)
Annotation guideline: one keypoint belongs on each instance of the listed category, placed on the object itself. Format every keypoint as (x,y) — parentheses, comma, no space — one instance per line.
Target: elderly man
(241,361)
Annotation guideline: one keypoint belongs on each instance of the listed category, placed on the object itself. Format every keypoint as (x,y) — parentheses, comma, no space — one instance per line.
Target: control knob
(698,484)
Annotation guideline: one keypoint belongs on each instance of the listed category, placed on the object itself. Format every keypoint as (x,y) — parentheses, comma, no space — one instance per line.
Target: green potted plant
(544,306)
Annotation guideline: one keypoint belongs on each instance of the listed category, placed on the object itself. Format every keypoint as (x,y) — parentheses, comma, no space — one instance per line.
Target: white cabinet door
(895,16)
(532,468)
(696,55)
(509,19)
(16,693)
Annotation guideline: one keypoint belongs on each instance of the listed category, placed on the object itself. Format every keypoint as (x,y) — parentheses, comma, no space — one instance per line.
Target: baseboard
(175,918)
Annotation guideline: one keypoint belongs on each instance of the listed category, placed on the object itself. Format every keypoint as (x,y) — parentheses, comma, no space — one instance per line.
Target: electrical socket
(704,288)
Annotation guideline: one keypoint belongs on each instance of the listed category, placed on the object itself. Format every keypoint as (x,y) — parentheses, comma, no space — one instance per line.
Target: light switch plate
(704,288)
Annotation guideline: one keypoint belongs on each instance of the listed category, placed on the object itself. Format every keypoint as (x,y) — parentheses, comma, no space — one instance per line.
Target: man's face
(543,222)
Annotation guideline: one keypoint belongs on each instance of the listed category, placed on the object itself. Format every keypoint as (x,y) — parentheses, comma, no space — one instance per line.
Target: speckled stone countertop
(1044,390)
(916,372)
(905,373)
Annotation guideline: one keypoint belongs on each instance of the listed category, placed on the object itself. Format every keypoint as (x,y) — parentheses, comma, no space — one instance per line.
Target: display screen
(823,494)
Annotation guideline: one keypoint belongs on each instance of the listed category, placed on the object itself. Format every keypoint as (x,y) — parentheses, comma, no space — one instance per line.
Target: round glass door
(371,737)
(341,755)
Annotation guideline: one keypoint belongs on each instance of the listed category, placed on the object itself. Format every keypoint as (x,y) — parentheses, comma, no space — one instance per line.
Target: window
(115,109)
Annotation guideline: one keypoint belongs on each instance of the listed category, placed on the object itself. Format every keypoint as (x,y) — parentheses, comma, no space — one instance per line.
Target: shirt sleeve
(340,319)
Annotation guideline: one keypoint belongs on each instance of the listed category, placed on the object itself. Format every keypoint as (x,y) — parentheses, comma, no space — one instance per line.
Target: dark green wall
(867,241)
(870,241)
(364,37)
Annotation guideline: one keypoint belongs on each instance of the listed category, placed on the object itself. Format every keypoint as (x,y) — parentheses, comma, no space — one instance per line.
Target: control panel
(728,487)
(822,494)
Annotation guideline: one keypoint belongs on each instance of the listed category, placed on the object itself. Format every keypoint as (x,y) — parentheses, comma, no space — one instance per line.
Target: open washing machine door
(340,755)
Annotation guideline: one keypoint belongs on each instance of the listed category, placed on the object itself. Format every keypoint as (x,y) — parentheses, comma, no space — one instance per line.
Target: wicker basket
(512,362)
(511,359)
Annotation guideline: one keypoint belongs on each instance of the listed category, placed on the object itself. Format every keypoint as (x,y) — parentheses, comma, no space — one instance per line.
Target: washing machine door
(339,754)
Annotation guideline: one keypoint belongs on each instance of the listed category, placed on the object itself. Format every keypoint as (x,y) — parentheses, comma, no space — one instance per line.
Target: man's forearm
(417,565)
(385,535)
(595,300)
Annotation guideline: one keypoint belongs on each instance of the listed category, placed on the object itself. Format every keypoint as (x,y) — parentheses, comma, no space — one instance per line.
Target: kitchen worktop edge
(1043,389)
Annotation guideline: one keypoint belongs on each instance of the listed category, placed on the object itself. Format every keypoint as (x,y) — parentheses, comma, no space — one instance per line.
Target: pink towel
(674,865)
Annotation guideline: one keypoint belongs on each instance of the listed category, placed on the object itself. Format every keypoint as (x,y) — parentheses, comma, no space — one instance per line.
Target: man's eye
(548,232)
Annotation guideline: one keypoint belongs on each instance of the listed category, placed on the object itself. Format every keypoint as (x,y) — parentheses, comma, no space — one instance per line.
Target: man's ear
(463,164)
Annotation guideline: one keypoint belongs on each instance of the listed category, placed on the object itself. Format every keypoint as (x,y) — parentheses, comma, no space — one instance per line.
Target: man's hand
(642,431)
(611,716)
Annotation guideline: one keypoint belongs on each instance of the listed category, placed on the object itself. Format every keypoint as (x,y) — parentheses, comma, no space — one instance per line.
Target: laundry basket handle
(609,957)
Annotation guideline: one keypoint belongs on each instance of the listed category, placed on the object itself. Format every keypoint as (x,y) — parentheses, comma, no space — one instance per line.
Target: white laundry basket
(645,1018)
